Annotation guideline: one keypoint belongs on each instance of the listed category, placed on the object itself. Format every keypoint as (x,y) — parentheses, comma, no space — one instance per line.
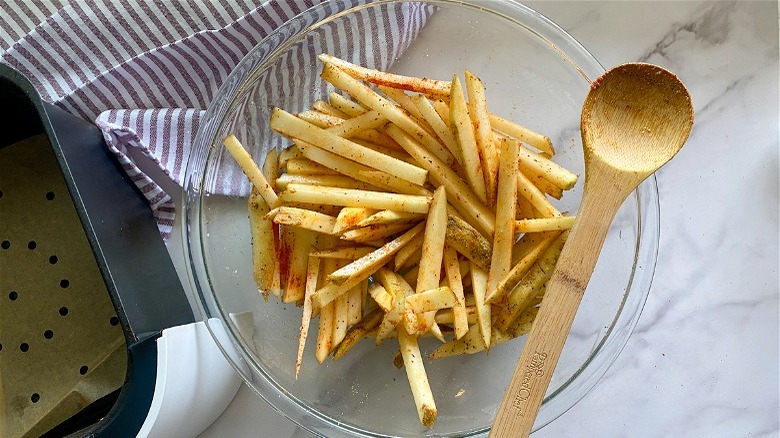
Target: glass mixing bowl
(536,74)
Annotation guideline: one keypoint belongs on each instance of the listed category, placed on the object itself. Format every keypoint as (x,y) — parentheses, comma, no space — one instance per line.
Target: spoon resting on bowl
(635,118)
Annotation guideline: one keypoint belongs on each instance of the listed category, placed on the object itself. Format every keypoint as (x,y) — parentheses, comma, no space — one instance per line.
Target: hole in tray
(113,321)
(1,193)
(48,334)
(13,295)
(63,311)
(35,397)
(31,245)
(5,245)
(1,347)
(64,283)
(83,370)
(50,196)
(25,347)
(53,260)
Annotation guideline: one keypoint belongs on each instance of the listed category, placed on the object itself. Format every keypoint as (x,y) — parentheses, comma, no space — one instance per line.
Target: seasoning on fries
(404,208)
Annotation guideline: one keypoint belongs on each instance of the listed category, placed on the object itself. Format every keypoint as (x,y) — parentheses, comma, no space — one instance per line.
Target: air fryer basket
(96,250)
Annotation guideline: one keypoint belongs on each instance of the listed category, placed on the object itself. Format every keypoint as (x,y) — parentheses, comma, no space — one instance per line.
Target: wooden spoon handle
(518,409)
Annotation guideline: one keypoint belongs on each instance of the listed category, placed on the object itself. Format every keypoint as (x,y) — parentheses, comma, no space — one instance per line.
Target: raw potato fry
(346,105)
(387,217)
(520,298)
(374,232)
(391,182)
(479,288)
(432,300)
(349,217)
(513,277)
(447,316)
(330,210)
(326,323)
(302,166)
(355,198)
(399,289)
(299,246)
(429,273)
(540,182)
(418,378)
(433,243)
(306,219)
(357,124)
(271,172)
(341,181)
(455,282)
(312,276)
(469,242)
(396,151)
(559,223)
(359,128)
(443,109)
(523,134)
(348,253)
(420,85)
(439,126)
(551,170)
(522,325)
(322,120)
(264,266)
(467,142)
(325,332)
(505,215)
(483,134)
(378,141)
(291,126)
(250,169)
(461,195)
(529,191)
(362,173)
(435,189)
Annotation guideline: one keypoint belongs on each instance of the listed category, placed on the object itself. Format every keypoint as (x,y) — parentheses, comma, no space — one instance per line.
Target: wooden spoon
(635,119)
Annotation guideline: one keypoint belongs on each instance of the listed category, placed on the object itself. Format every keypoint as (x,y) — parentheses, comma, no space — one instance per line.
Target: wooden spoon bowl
(635,118)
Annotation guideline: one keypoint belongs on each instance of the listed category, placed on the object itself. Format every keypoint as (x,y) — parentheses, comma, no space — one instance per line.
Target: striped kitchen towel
(145,71)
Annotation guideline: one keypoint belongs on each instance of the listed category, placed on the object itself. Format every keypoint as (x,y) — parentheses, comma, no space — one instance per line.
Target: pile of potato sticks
(396,214)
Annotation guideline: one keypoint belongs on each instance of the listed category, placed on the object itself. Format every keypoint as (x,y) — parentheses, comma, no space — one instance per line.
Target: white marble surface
(703,361)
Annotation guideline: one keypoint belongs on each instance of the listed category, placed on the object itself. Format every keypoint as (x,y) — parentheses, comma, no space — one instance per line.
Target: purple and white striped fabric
(145,71)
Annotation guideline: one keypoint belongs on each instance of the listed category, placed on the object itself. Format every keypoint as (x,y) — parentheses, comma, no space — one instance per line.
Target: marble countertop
(703,360)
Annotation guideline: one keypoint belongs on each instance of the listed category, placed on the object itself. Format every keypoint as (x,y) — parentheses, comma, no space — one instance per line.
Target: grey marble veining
(703,360)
